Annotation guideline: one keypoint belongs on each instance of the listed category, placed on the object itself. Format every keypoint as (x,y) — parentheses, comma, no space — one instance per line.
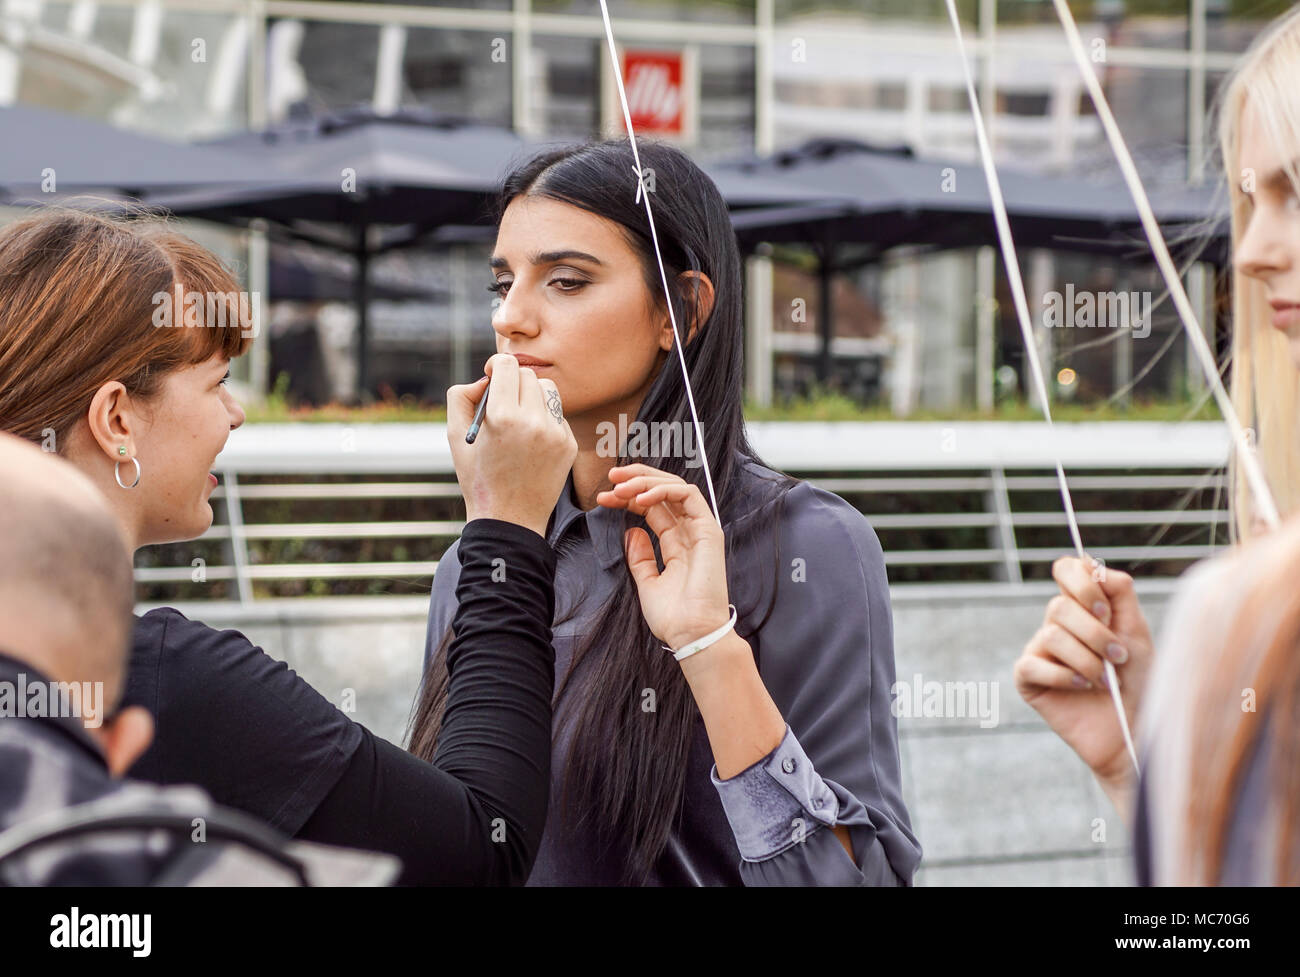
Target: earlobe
(109,420)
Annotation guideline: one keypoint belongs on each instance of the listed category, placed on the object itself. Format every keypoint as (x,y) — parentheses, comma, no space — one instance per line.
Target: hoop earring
(117,474)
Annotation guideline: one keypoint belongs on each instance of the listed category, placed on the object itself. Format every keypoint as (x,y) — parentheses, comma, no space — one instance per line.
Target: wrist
(698,631)
(1118,783)
(1120,787)
(730,656)
(537,527)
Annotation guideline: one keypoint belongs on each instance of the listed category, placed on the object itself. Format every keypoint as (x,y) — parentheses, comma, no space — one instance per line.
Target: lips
(529,361)
(1286,315)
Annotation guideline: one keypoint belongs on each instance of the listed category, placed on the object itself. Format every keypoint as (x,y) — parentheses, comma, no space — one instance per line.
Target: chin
(203,522)
(195,526)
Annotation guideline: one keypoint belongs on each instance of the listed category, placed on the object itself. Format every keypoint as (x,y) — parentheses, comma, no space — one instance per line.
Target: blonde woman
(1209,729)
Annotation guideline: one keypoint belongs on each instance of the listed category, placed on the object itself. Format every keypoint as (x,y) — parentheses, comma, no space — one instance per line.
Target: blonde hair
(1219,721)
(1265,382)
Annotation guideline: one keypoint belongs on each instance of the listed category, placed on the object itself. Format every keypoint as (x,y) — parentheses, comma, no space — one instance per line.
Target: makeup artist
(143,412)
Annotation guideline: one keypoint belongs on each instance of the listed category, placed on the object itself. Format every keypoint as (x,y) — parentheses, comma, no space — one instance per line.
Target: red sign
(655,95)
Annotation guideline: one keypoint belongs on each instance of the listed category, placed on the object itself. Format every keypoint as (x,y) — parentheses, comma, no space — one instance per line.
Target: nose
(513,317)
(236,412)
(1262,251)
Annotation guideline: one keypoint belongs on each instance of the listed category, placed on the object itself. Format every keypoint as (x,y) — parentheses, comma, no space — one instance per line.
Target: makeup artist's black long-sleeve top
(258,738)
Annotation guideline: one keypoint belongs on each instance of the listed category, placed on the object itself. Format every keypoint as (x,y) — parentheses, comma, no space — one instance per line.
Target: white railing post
(1005,529)
(238,543)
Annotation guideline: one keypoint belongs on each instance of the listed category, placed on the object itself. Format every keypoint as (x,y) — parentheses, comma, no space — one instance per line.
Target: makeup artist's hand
(689,598)
(516,468)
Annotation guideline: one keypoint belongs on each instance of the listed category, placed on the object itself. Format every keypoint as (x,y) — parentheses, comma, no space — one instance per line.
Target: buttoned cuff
(777,802)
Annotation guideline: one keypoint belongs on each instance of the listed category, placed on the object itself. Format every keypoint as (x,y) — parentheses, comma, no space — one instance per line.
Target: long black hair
(626,768)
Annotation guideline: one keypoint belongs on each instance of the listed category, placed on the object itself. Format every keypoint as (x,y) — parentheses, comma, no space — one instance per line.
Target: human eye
(226,378)
(499,287)
(571,284)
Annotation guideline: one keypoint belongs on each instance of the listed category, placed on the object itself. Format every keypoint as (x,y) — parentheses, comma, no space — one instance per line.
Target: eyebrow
(547,257)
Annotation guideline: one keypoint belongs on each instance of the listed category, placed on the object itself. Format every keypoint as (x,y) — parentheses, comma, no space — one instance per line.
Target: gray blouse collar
(604,526)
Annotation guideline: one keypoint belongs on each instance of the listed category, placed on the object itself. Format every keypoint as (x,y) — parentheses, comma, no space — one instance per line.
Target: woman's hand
(515,470)
(689,598)
(1061,672)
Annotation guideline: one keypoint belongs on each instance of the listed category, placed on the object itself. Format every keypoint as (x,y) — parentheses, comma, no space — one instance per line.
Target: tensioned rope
(643,193)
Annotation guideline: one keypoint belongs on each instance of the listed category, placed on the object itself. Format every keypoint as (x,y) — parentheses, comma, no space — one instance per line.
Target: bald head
(65,571)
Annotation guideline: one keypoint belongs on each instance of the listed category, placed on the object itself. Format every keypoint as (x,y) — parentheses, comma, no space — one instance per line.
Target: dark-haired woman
(143,411)
(771,755)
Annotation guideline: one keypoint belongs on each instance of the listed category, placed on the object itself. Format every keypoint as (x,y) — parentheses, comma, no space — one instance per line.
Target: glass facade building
(912,331)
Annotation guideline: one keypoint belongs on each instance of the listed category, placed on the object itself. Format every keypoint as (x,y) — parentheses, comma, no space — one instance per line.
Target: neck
(126,515)
(591,467)
(94,465)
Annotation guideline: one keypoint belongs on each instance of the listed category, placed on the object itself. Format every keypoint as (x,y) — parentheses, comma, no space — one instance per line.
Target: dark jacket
(65,820)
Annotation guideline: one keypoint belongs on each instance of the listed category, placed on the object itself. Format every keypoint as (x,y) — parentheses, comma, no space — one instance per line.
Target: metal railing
(950,502)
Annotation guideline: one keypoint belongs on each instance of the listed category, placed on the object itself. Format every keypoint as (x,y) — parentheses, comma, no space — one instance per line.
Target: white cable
(1254,474)
(1012,263)
(654,237)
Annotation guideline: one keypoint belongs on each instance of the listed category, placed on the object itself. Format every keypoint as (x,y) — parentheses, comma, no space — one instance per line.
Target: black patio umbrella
(880,198)
(78,156)
(884,197)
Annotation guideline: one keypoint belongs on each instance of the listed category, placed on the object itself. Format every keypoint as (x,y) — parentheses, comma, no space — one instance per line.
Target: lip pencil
(479,413)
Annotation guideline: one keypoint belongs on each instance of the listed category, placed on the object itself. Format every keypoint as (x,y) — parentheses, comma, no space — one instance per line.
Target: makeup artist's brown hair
(77,302)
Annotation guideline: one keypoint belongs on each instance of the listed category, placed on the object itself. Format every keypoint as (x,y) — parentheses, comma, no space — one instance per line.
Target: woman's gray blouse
(825,655)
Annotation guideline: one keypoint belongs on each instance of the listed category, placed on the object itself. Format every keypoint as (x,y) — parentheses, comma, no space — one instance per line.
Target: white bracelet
(687,650)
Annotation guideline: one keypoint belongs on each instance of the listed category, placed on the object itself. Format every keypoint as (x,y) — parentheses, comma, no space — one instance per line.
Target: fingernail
(1118,654)
(1080,682)
(1102,611)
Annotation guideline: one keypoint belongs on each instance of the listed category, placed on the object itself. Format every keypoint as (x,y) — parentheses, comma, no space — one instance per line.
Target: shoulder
(819,526)
(1199,616)
(442,600)
(189,665)
(172,655)
(442,597)
(807,563)
(448,569)
(171,635)
(821,613)
(1231,574)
